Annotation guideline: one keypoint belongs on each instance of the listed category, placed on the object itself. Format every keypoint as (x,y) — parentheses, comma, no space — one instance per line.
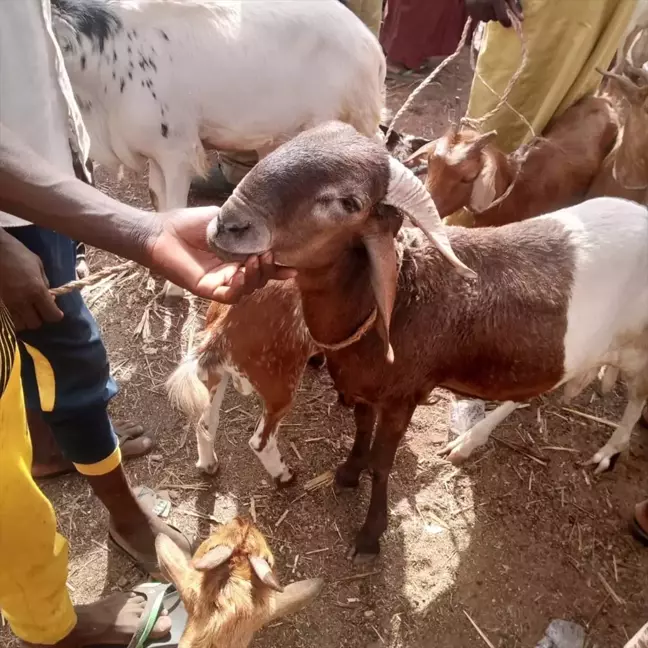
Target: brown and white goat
(229,588)
(554,297)
(263,345)
(467,170)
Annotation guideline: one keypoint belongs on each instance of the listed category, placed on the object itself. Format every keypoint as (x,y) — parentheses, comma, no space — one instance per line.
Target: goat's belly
(500,391)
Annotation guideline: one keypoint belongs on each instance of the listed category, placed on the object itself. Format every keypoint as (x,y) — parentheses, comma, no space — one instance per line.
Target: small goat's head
(401,145)
(460,174)
(326,191)
(630,168)
(229,588)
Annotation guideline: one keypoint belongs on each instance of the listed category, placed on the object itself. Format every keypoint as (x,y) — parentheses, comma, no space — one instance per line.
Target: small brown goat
(537,316)
(467,170)
(263,344)
(229,589)
(624,172)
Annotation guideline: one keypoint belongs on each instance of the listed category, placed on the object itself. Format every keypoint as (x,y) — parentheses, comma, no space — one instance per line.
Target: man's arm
(173,244)
(32,189)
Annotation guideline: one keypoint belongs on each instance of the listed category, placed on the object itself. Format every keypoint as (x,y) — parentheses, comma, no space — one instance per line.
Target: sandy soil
(523,540)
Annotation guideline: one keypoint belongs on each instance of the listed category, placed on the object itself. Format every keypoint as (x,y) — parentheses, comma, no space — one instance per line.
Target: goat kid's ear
(480,143)
(173,562)
(263,570)
(295,597)
(483,189)
(426,149)
(213,558)
(381,248)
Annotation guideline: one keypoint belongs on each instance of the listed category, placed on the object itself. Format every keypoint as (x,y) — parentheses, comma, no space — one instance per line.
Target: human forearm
(32,189)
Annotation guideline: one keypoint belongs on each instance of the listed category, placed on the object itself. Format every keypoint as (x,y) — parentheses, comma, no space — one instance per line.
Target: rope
(426,82)
(503,100)
(364,328)
(92,279)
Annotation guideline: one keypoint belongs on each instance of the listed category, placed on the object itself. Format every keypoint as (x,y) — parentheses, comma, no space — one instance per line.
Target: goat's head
(461,169)
(326,191)
(630,168)
(229,588)
(401,145)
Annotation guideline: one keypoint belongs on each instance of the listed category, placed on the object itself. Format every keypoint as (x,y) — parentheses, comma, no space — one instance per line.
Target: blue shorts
(65,371)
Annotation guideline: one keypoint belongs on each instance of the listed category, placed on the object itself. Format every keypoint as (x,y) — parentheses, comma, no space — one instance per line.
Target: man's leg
(67,381)
(33,556)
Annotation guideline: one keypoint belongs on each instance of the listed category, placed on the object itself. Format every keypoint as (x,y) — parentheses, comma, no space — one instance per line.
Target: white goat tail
(186,390)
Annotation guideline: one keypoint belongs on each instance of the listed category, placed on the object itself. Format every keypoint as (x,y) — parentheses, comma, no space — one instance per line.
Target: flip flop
(158,596)
(157,505)
(638,532)
(128,451)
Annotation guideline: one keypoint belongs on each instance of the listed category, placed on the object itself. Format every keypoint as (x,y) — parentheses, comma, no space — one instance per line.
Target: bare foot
(50,462)
(113,620)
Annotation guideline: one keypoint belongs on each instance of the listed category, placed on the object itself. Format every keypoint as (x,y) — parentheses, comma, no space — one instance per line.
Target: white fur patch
(270,456)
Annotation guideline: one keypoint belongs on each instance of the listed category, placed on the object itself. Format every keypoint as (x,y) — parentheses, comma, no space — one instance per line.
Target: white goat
(159,81)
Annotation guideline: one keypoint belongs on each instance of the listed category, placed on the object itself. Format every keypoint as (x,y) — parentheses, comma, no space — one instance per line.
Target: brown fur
(500,337)
(554,171)
(227,604)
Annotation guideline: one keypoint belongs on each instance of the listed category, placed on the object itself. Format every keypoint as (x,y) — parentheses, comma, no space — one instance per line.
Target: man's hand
(487,10)
(24,286)
(176,247)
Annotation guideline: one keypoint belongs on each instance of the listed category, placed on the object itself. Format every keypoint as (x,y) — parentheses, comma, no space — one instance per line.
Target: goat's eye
(351,204)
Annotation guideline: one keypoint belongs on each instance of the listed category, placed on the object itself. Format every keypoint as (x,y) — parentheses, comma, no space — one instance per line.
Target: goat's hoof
(603,461)
(347,477)
(364,553)
(285,480)
(453,452)
(210,468)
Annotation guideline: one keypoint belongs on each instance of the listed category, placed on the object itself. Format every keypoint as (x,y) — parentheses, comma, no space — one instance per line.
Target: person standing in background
(415,31)
(369,11)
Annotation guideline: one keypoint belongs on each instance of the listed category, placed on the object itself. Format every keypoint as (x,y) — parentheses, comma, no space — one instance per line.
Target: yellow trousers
(566,41)
(33,556)
(369,11)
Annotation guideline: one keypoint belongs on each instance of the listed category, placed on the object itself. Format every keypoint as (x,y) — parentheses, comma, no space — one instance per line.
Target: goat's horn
(627,85)
(295,597)
(213,558)
(263,570)
(407,193)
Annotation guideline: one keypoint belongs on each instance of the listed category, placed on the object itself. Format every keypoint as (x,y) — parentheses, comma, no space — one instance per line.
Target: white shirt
(36,98)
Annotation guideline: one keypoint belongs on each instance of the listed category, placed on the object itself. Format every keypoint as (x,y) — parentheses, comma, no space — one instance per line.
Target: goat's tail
(186,391)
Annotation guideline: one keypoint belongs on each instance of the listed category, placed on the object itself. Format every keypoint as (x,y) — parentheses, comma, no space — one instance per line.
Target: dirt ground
(509,540)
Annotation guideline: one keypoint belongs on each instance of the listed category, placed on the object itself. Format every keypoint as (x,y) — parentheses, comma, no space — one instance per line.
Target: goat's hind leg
(206,429)
(606,457)
(461,448)
(348,474)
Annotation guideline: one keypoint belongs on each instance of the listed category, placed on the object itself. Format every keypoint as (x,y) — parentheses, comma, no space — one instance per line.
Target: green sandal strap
(154,593)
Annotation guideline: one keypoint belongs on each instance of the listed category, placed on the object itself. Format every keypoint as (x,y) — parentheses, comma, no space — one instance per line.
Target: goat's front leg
(264,445)
(461,448)
(392,424)
(348,474)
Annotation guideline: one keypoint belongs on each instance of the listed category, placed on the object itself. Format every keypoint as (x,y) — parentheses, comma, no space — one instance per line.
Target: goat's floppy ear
(424,150)
(214,558)
(380,246)
(294,598)
(263,570)
(483,190)
(173,562)
(480,143)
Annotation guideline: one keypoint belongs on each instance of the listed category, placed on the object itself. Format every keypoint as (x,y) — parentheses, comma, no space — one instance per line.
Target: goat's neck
(337,299)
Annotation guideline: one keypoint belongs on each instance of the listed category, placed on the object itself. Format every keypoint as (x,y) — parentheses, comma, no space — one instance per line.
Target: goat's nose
(234,227)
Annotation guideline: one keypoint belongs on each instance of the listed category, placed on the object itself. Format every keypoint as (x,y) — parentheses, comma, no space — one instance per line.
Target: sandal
(158,505)
(158,596)
(396,72)
(638,531)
